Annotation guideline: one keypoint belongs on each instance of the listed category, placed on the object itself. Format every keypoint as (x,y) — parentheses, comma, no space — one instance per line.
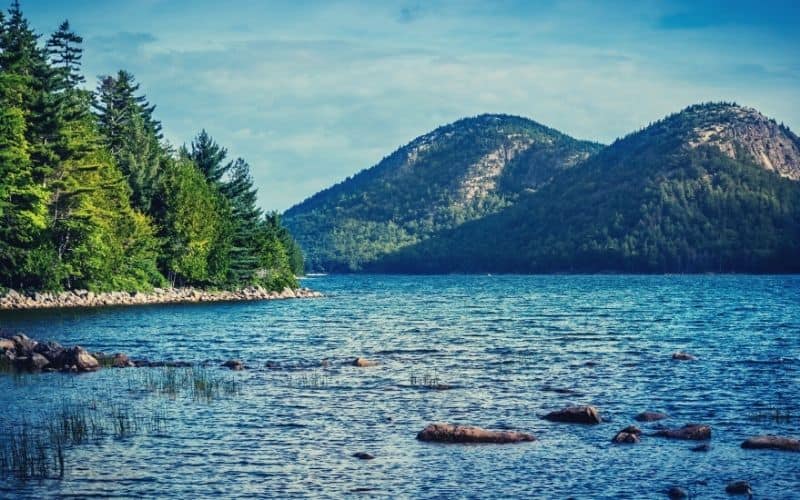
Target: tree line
(93,197)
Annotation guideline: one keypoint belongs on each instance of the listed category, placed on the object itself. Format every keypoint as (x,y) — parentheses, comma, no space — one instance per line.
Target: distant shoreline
(15,301)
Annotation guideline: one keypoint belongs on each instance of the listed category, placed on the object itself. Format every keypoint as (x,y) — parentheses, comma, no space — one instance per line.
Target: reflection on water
(511,348)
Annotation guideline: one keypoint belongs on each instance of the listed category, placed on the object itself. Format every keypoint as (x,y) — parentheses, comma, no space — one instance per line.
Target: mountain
(457,173)
(713,188)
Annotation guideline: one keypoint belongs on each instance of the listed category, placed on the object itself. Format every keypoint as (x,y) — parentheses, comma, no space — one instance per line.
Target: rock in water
(81,360)
(739,488)
(694,432)
(121,360)
(450,433)
(364,362)
(7,345)
(701,447)
(683,356)
(676,493)
(37,362)
(575,415)
(363,455)
(234,364)
(628,435)
(23,344)
(650,416)
(772,443)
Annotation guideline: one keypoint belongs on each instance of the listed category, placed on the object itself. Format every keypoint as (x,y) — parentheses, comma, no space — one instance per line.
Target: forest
(93,197)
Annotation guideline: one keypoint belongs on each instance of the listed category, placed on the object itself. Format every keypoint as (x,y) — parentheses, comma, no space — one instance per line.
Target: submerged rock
(739,488)
(450,433)
(364,362)
(693,432)
(628,435)
(650,416)
(234,364)
(769,442)
(676,493)
(121,360)
(363,455)
(575,415)
(683,356)
(701,447)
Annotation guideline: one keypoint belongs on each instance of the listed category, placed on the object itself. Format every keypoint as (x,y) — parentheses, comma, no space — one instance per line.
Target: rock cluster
(450,433)
(22,353)
(84,298)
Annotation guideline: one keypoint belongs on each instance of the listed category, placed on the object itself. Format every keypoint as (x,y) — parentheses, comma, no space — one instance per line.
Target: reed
(199,383)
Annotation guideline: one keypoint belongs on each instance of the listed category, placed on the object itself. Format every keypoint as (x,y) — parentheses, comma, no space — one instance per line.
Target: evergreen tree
(246,221)
(209,157)
(65,53)
(22,201)
(131,134)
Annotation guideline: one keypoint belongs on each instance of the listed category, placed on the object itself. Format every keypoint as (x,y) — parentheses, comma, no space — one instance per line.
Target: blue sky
(311,92)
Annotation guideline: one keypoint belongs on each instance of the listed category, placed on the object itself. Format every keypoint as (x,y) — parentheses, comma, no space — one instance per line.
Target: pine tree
(65,53)
(131,134)
(246,221)
(209,157)
(23,213)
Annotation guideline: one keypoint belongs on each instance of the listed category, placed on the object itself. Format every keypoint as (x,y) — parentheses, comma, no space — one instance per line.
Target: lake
(511,347)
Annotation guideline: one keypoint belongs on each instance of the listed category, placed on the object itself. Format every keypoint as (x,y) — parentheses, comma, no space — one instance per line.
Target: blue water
(503,342)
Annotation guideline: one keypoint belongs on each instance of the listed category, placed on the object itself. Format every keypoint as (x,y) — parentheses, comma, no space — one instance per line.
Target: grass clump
(199,383)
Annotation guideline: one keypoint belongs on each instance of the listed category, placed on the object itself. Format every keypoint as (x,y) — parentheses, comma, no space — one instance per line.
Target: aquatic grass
(427,381)
(313,380)
(197,382)
(36,448)
(776,415)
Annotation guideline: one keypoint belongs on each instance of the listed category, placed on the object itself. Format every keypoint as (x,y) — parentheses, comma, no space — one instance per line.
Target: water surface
(513,347)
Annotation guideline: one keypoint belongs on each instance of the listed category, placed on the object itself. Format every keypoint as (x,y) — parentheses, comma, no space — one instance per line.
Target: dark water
(505,343)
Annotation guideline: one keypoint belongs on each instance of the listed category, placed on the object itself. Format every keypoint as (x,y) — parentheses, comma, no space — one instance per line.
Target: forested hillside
(457,173)
(710,189)
(92,197)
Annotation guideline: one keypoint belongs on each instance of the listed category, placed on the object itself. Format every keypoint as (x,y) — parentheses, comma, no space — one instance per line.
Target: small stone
(628,435)
(739,488)
(363,455)
(364,363)
(694,432)
(234,364)
(677,493)
(770,442)
(450,433)
(650,416)
(575,415)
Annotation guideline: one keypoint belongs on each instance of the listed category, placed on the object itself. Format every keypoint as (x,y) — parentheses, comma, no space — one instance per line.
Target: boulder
(7,345)
(450,433)
(683,356)
(769,442)
(628,435)
(78,358)
(694,432)
(234,364)
(739,488)
(364,362)
(575,415)
(121,360)
(23,344)
(650,416)
(50,350)
(363,456)
(676,493)
(37,362)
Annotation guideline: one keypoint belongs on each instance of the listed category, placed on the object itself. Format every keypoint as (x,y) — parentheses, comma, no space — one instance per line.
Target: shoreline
(15,301)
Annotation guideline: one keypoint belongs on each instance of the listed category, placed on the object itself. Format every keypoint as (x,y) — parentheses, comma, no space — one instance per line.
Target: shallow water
(510,346)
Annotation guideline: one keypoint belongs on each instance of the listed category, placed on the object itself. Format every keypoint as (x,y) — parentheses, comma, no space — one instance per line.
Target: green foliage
(94,200)
(419,190)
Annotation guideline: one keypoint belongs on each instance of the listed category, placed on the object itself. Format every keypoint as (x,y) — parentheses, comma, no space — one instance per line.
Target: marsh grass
(36,448)
(197,382)
(776,415)
(313,380)
(427,381)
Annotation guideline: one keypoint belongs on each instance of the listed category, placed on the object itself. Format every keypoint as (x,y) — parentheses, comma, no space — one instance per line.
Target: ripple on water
(512,348)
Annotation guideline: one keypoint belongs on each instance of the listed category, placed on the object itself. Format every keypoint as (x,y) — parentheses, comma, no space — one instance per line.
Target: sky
(311,92)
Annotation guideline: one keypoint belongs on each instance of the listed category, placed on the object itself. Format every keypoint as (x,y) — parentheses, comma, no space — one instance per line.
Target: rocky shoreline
(13,300)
